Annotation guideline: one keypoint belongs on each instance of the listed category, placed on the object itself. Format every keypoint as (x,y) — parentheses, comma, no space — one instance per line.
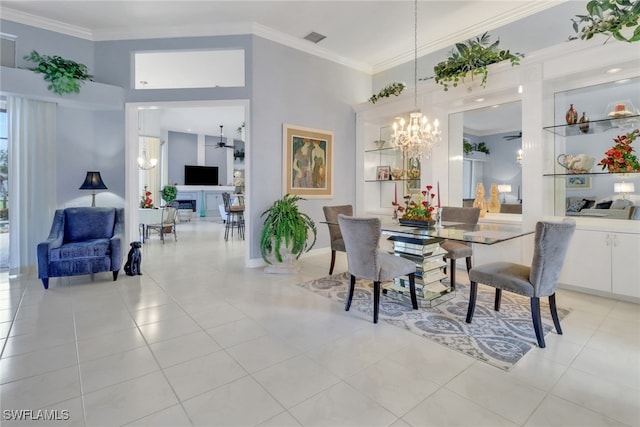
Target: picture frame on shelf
(383,173)
(579,182)
(308,162)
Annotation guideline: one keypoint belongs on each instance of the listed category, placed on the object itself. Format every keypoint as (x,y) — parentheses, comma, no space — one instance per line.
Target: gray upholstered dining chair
(539,280)
(458,250)
(361,237)
(331,216)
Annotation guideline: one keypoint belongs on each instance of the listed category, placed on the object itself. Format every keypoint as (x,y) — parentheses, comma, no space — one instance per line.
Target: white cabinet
(604,261)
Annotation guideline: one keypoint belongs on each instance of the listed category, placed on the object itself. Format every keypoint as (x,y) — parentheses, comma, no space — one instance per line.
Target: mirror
(492,138)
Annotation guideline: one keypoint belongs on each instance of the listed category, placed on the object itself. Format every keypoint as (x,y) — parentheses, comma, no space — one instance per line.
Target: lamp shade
(623,187)
(93,181)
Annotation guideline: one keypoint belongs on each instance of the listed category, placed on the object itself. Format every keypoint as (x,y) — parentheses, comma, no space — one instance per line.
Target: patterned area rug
(497,338)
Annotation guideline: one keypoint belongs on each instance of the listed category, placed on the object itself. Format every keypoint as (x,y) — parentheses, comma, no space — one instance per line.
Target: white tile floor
(200,340)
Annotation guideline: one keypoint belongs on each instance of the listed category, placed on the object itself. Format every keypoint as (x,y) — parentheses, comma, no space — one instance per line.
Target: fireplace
(187,204)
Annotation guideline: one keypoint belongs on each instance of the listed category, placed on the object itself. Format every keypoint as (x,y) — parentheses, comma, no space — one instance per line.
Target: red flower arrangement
(419,209)
(145,200)
(620,158)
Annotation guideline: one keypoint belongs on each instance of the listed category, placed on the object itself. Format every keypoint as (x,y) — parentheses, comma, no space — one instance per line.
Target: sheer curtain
(32,183)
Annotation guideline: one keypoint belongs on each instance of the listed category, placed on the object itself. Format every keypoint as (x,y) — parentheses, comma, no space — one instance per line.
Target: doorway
(201,118)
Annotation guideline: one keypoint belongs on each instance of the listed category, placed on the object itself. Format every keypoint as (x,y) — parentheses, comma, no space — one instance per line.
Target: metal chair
(235,216)
(337,242)
(361,237)
(458,250)
(539,280)
(167,223)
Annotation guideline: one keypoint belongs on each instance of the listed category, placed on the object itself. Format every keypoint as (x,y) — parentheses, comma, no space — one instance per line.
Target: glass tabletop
(486,234)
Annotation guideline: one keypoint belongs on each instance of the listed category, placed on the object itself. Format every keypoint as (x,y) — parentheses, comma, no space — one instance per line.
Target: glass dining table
(422,246)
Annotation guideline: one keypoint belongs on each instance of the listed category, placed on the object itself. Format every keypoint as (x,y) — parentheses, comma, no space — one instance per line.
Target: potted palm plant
(285,235)
(470,60)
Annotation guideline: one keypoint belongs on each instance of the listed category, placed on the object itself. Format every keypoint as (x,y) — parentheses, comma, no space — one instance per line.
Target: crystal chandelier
(417,137)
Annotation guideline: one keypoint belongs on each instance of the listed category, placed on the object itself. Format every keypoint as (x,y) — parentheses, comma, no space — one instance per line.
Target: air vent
(314,37)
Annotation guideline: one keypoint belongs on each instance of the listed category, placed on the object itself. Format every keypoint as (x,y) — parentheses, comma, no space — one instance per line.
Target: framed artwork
(383,173)
(579,182)
(308,162)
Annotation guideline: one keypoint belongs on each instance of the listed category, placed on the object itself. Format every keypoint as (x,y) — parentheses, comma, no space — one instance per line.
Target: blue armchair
(82,241)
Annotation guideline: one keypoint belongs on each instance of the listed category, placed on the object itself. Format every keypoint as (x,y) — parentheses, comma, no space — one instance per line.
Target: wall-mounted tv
(200,175)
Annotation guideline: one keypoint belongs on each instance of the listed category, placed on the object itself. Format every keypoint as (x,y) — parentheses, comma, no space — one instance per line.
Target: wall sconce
(519,157)
(93,181)
(502,189)
(624,188)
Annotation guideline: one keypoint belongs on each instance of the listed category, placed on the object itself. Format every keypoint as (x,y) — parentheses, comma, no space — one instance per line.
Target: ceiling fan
(510,137)
(222,144)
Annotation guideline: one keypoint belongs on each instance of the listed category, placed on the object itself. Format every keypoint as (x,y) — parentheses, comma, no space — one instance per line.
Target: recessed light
(520,89)
(614,70)
(495,106)
(623,81)
(479,99)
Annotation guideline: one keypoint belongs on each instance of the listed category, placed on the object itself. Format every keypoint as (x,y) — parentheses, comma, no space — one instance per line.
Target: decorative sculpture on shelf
(494,201)
(480,201)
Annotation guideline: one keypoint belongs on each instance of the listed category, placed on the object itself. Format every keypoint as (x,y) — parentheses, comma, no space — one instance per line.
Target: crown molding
(45,23)
(449,40)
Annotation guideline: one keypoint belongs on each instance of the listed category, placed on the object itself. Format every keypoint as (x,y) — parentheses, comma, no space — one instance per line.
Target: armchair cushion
(81,224)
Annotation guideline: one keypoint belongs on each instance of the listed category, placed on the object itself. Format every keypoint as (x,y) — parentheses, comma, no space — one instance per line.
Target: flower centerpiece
(145,199)
(419,211)
(620,158)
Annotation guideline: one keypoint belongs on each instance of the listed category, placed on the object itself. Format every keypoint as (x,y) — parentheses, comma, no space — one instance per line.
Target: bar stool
(235,216)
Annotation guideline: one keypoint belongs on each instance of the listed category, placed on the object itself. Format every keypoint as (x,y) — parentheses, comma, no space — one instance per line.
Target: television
(200,175)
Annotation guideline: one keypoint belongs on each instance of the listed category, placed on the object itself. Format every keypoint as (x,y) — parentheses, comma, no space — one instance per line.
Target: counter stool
(235,217)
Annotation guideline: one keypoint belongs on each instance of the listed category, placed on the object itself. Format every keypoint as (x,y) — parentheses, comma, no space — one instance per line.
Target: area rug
(499,338)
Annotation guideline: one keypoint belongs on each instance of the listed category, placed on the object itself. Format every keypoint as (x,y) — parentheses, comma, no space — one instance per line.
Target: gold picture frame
(308,162)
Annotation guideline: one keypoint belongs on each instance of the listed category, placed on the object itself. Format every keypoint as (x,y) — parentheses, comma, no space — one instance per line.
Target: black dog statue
(132,266)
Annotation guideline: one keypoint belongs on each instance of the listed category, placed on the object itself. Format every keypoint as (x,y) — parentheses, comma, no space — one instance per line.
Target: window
(189,69)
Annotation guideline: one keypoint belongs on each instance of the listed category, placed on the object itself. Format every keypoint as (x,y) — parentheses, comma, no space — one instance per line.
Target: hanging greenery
(471,58)
(63,75)
(611,18)
(395,88)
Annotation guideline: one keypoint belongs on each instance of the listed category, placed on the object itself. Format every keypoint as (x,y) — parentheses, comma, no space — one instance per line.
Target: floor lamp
(93,182)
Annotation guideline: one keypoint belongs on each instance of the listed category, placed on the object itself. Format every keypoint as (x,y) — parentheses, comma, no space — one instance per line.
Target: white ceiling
(368,35)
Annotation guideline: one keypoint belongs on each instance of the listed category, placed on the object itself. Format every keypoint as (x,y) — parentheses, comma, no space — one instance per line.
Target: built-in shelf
(595,126)
(592,173)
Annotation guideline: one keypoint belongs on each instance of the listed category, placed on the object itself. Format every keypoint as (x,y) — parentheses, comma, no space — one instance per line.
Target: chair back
(551,243)
(85,223)
(361,237)
(331,216)
(170,213)
(464,215)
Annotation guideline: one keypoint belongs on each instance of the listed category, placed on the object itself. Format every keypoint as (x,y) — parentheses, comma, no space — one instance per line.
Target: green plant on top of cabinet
(63,75)
(611,18)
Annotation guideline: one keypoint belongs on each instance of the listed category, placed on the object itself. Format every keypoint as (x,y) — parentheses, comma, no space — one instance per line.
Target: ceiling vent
(314,37)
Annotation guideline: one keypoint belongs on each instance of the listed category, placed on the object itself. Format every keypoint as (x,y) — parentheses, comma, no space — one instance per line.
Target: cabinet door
(588,261)
(626,265)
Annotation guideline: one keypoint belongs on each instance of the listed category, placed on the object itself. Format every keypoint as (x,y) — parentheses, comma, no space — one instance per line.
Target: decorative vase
(572,116)
(584,123)
(421,223)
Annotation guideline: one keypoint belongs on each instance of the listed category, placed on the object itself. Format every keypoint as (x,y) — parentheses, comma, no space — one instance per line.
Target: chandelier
(519,157)
(417,137)
(144,162)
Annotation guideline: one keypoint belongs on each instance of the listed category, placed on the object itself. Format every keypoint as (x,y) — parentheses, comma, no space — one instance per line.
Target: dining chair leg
(453,273)
(537,321)
(468,264)
(498,299)
(412,290)
(226,227)
(333,262)
(554,313)
(352,285)
(376,301)
(473,293)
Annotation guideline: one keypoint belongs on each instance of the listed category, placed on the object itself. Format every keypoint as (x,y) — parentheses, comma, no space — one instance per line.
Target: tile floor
(200,340)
